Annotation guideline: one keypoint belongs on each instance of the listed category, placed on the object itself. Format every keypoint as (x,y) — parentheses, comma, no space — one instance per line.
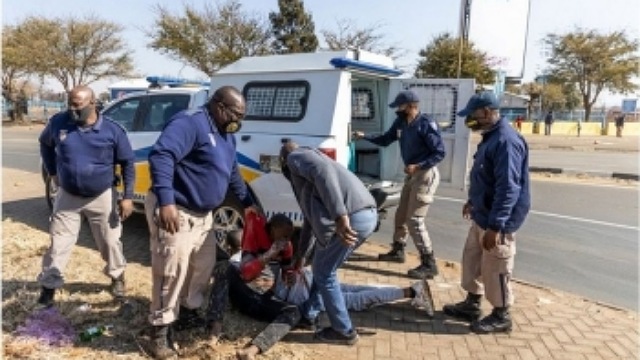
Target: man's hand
(490,239)
(357,135)
(466,210)
(275,249)
(125,208)
(169,218)
(345,232)
(410,169)
(55,180)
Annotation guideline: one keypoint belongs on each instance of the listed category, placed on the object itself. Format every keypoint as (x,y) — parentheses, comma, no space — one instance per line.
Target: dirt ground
(25,239)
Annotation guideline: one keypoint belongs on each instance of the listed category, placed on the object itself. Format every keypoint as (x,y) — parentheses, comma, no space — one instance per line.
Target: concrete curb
(575,172)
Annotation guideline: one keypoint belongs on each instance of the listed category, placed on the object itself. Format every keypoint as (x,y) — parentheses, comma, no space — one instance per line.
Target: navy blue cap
(478,101)
(404,97)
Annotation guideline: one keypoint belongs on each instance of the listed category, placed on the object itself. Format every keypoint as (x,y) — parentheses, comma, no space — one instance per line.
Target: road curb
(575,172)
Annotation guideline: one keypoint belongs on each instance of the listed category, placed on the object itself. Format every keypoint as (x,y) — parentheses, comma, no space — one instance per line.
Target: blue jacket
(193,165)
(85,159)
(499,191)
(420,141)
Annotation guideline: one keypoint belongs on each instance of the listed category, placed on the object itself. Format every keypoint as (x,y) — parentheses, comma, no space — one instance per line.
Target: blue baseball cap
(404,97)
(478,101)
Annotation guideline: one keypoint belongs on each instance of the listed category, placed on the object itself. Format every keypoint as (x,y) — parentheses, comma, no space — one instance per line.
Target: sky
(409,24)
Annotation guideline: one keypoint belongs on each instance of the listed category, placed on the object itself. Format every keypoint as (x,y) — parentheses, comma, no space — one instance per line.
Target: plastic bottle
(94,332)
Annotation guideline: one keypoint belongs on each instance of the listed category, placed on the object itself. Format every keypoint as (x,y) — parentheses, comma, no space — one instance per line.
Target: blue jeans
(326,261)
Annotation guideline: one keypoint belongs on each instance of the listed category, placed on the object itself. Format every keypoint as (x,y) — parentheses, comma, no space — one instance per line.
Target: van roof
(301,62)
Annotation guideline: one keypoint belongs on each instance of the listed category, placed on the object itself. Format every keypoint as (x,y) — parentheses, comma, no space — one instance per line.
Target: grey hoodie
(325,190)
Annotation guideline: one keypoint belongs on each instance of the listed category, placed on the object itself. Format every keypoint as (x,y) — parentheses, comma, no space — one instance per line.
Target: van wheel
(51,191)
(227,217)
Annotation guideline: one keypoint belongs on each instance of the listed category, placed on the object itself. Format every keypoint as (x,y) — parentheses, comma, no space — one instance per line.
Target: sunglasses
(235,113)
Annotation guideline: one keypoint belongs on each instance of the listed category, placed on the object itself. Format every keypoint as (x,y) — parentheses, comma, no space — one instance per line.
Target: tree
(348,36)
(14,67)
(293,28)
(209,39)
(440,59)
(592,62)
(72,51)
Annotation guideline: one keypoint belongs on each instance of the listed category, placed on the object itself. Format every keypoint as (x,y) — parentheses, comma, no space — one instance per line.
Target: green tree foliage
(592,62)
(440,59)
(211,38)
(14,70)
(292,28)
(73,51)
(349,36)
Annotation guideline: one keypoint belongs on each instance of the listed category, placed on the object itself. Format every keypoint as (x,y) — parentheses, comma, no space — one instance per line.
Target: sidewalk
(547,323)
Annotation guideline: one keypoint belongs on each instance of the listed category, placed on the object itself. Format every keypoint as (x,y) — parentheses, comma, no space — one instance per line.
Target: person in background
(340,214)
(499,201)
(192,165)
(422,148)
(619,124)
(80,150)
(548,121)
(519,120)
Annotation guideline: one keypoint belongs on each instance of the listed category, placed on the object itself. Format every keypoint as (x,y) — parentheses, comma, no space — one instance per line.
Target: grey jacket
(325,190)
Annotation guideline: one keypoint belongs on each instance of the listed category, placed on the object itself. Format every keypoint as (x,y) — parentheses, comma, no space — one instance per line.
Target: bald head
(82,105)
(228,95)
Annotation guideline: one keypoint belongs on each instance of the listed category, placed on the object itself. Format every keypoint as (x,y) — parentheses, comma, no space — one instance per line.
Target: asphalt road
(579,237)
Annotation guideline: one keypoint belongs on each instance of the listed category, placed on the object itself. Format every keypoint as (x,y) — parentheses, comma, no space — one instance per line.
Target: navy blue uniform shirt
(193,164)
(499,189)
(84,159)
(420,141)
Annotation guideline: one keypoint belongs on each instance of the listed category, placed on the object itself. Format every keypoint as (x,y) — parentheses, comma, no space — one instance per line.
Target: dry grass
(22,249)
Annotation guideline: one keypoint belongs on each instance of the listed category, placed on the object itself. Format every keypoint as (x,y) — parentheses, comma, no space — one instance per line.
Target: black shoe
(47,297)
(395,255)
(160,346)
(188,319)
(118,287)
(307,324)
(331,336)
(468,310)
(498,321)
(426,270)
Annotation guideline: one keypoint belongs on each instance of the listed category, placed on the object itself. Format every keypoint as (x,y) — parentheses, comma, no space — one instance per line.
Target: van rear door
(441,99)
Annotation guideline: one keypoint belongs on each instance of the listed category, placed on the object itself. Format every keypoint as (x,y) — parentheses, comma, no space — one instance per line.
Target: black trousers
(282,316)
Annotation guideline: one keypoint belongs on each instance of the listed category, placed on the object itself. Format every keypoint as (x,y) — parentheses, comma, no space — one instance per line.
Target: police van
(314,99)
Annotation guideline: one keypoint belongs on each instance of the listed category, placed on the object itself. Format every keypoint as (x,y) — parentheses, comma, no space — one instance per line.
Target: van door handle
(245,137)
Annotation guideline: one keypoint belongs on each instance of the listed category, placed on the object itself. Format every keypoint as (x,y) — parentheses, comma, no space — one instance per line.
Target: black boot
(188,319)
(47,297)
(118,287)
(160,347)
(468,310)
(498,321)
(427,268)
(395,255)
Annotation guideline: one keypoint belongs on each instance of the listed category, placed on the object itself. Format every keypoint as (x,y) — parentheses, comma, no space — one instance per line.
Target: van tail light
(330,152)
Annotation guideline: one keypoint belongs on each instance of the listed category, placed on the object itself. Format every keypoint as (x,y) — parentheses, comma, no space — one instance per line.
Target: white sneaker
(423,299)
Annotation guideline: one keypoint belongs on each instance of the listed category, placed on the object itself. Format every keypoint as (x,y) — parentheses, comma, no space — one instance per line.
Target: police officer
(498,204)
(80,150)
(422,149)
(193,164)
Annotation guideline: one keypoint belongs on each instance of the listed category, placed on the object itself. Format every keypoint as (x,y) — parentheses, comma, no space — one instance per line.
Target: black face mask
(402,114)
(80,116)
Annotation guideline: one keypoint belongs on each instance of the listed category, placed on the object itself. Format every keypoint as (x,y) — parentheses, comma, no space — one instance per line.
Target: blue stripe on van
(142,154)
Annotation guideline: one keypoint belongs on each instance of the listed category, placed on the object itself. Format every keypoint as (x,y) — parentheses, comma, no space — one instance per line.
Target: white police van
(313,99)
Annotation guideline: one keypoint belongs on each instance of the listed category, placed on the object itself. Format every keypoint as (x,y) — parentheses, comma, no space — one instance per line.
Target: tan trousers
(417,194)
(66,220)
(488,272)
(181,263)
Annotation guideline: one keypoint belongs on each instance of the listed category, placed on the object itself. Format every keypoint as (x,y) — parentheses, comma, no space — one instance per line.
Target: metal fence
(35,110)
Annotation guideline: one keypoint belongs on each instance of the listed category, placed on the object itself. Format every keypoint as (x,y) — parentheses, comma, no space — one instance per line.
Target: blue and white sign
(629,105)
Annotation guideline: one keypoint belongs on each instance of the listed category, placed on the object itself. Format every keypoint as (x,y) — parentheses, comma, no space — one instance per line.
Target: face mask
(402,114)
(80,116)
(232,126)
(472,123)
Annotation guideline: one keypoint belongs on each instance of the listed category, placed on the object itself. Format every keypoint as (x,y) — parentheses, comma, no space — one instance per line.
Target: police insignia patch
(63,134)
(212,138)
